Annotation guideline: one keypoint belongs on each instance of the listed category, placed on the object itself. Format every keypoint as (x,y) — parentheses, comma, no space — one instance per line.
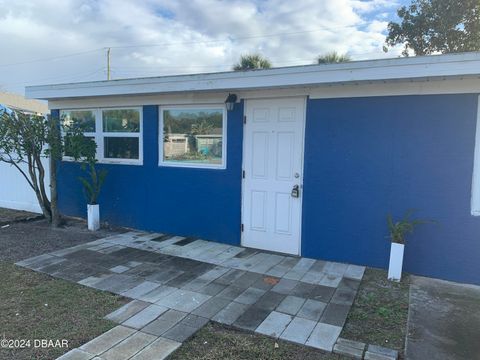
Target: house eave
(390,70)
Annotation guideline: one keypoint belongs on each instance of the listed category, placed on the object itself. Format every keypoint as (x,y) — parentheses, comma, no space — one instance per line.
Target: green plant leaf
(398,230)
(93,184)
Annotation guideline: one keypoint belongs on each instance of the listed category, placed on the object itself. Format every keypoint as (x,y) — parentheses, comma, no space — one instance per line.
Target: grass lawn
(380,311)
(217,342)
(36,306)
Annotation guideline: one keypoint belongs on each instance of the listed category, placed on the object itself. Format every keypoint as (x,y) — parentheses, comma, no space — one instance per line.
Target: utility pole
(108,63)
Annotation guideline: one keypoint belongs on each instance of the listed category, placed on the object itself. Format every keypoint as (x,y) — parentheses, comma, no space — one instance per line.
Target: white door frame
(304,117)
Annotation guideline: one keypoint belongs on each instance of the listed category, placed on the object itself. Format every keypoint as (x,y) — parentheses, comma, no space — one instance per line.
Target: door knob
(295,191)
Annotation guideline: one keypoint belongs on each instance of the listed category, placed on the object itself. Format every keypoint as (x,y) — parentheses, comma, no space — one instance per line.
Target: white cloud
(193,35)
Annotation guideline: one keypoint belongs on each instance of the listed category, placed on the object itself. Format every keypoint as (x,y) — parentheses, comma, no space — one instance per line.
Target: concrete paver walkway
(179,284)
(444,320)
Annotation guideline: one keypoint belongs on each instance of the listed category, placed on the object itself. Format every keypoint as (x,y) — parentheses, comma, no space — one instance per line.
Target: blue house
(305,160)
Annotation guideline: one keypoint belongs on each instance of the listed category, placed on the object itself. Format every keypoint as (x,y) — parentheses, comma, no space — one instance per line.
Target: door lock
(295,191)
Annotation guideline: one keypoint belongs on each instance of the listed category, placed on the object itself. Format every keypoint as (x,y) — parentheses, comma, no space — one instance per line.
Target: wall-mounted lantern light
(230,102)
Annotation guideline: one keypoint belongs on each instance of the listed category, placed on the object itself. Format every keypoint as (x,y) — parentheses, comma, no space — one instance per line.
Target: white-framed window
(116,131)
(193,136)
(476,168)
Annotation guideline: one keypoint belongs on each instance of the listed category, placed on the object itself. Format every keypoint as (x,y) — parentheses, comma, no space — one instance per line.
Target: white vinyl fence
(15,193)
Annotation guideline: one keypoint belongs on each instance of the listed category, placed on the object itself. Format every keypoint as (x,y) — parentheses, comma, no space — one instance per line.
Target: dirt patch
(380,311)
(271,280)
(8,216)
(217,342)
(20,241)
(36,306)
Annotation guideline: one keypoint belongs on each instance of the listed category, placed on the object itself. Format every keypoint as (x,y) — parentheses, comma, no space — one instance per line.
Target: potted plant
(398,230)
(83,149)
(92,186)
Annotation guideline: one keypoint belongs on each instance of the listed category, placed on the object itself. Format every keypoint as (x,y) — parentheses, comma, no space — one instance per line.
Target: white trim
(423,87)
(302,175)
(424,67)
(99,135)
(419,87)
(87,134)
(163,163)
(476,168)
(302,166)
(142,100)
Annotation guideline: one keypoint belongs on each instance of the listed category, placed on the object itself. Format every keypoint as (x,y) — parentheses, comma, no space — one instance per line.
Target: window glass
(193,136)
(121,147)
(82,118)
(71,147)
(115,133)
(123,120)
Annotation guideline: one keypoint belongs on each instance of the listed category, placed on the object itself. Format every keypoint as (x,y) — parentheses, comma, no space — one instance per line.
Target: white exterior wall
(15,193)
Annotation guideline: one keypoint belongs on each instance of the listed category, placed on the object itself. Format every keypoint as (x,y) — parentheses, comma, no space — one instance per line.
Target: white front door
(273,168)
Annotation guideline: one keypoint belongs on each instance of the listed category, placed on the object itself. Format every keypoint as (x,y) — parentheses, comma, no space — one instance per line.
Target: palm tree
(252,61)
(333,58)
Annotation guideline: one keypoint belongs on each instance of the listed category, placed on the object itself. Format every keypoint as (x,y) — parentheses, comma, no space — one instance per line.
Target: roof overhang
(368,71)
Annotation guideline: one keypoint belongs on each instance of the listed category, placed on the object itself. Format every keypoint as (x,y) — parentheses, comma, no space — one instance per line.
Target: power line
(74,77)
(138,70)
(177,43)
(160,66)
(231,38)
(51,58)
(156,67)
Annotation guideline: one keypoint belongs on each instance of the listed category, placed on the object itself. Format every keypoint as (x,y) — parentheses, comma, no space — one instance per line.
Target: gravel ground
(23,240)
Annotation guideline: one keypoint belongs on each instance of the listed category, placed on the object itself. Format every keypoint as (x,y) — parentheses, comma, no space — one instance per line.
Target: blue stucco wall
(367,157)
(364,158)
(183,201)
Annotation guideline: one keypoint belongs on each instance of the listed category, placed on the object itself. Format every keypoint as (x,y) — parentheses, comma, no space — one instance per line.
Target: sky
(63,41)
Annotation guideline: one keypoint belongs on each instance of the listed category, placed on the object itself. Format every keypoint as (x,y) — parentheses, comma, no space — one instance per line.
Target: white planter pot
(396,262)
(93,217)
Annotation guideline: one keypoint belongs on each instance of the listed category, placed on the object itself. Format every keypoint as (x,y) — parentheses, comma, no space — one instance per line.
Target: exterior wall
(15,193)
(364,158)
(183,201)
(367,157)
